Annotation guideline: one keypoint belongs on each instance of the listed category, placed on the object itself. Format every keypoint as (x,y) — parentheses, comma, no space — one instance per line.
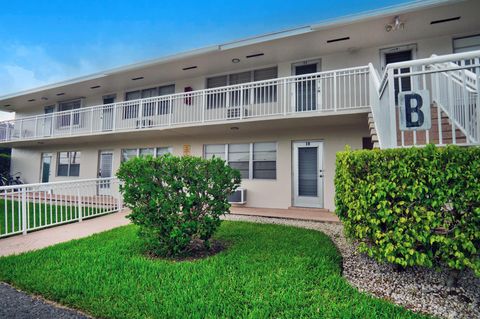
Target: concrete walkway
(54,235)
(306,214)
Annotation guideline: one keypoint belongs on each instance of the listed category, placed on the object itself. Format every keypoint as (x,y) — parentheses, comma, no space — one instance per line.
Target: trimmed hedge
(176,200)
(412,206)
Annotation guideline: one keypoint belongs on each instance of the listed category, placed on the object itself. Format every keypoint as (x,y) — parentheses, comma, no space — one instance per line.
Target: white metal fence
(328,91)
(453,81)
(28,207)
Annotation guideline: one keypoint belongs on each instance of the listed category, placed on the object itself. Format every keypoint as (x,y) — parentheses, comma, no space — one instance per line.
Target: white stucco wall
(261,193)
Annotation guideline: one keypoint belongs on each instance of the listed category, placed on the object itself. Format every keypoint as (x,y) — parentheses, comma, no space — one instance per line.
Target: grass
(39,214)
(268,271)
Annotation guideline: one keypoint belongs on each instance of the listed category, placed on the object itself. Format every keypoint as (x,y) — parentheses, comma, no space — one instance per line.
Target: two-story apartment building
(277,107)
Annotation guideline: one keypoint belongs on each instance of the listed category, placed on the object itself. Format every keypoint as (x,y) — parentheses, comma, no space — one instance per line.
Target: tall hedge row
(412,206)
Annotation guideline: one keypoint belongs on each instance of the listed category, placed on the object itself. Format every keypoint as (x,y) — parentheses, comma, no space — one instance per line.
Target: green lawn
(268,271)
(39,214)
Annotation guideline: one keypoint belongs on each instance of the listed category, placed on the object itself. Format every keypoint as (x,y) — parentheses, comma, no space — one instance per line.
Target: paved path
(18,305)
(306,214)
(54,235)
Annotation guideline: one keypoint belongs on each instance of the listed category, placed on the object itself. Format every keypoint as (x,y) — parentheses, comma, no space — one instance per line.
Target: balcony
(330,92)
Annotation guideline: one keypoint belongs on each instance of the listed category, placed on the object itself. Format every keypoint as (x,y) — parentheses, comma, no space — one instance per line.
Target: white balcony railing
(329,91)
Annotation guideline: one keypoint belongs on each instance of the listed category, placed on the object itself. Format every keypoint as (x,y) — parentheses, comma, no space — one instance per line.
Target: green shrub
(412,206)
(176,200)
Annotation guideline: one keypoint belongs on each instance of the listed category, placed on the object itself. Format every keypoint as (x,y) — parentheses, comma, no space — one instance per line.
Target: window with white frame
(265,160)
(149,108)
(146,151)
(466,44)
(68,118)
(68,163)
(239,158)
(253,160)
(163,150)
(129,153)
(263,94)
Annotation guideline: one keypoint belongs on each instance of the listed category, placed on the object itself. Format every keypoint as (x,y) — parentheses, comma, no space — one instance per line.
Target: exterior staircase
(373,131)
(442,127)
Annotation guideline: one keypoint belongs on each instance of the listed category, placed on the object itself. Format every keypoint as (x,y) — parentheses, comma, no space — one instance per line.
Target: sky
(46,41)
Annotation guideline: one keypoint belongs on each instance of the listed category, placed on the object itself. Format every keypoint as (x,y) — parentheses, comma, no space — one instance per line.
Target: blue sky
(46,41)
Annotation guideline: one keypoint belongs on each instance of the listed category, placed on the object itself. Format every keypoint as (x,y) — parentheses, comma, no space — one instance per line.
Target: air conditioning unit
(144,123)
(238,197)
(234,112)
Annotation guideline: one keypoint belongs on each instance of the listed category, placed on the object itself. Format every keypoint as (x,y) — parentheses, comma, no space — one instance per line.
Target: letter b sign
(415,110)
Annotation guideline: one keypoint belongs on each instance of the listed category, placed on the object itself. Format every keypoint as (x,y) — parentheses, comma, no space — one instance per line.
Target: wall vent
(338,39)
(445,20)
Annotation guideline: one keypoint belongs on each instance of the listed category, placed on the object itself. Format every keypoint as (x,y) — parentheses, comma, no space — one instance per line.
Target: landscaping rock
(419,289)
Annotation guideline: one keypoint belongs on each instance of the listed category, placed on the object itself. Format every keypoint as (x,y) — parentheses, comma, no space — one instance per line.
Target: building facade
(277,107)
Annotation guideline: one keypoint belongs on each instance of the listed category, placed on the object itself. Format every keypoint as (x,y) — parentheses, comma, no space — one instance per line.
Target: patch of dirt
(195,251)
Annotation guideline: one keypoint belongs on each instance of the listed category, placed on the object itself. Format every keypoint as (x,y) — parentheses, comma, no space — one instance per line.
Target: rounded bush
(412,206)
(176,200)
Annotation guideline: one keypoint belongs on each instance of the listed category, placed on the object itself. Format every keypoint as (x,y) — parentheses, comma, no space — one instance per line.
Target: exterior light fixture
(234,128)
(235,60)
(395,25)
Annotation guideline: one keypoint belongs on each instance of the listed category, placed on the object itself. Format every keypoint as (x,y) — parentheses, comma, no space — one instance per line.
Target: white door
(105,169)
(308,174)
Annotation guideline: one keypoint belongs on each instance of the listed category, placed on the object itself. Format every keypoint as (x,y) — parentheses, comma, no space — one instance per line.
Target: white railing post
(140,114)
(335,91)
(114,116)
(241,102)
(466,106)
(392,110)
(21,129)
(24,211)
(170,114)
(91,120)
(71,122)
(36,127)
(79,205)
(204,105)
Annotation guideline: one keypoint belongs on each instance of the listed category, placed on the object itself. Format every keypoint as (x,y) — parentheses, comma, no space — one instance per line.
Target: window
(239,158)
(163,150)
(68,164)
(253,160)
(130,153)
(164,107)
(149,107)
(265,160)
(267,93)
(465,44)
(130,110)
(263,94)
(146,152)
(64,119)
(217,150)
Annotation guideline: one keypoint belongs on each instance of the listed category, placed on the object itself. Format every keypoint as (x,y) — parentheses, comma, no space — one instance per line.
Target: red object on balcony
(188,97)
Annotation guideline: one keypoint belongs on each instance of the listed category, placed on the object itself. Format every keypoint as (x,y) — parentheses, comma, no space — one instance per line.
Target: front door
(48,120)
(107,113)
(45,167)
(308,174)
(306,88)
(400,84)
(105,168)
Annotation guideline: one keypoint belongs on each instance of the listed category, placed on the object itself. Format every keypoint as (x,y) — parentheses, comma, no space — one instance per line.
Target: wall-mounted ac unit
(238,197)
(234,112)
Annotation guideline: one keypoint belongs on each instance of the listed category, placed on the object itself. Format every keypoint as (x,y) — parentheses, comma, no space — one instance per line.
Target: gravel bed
(419,289)
(15,304)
